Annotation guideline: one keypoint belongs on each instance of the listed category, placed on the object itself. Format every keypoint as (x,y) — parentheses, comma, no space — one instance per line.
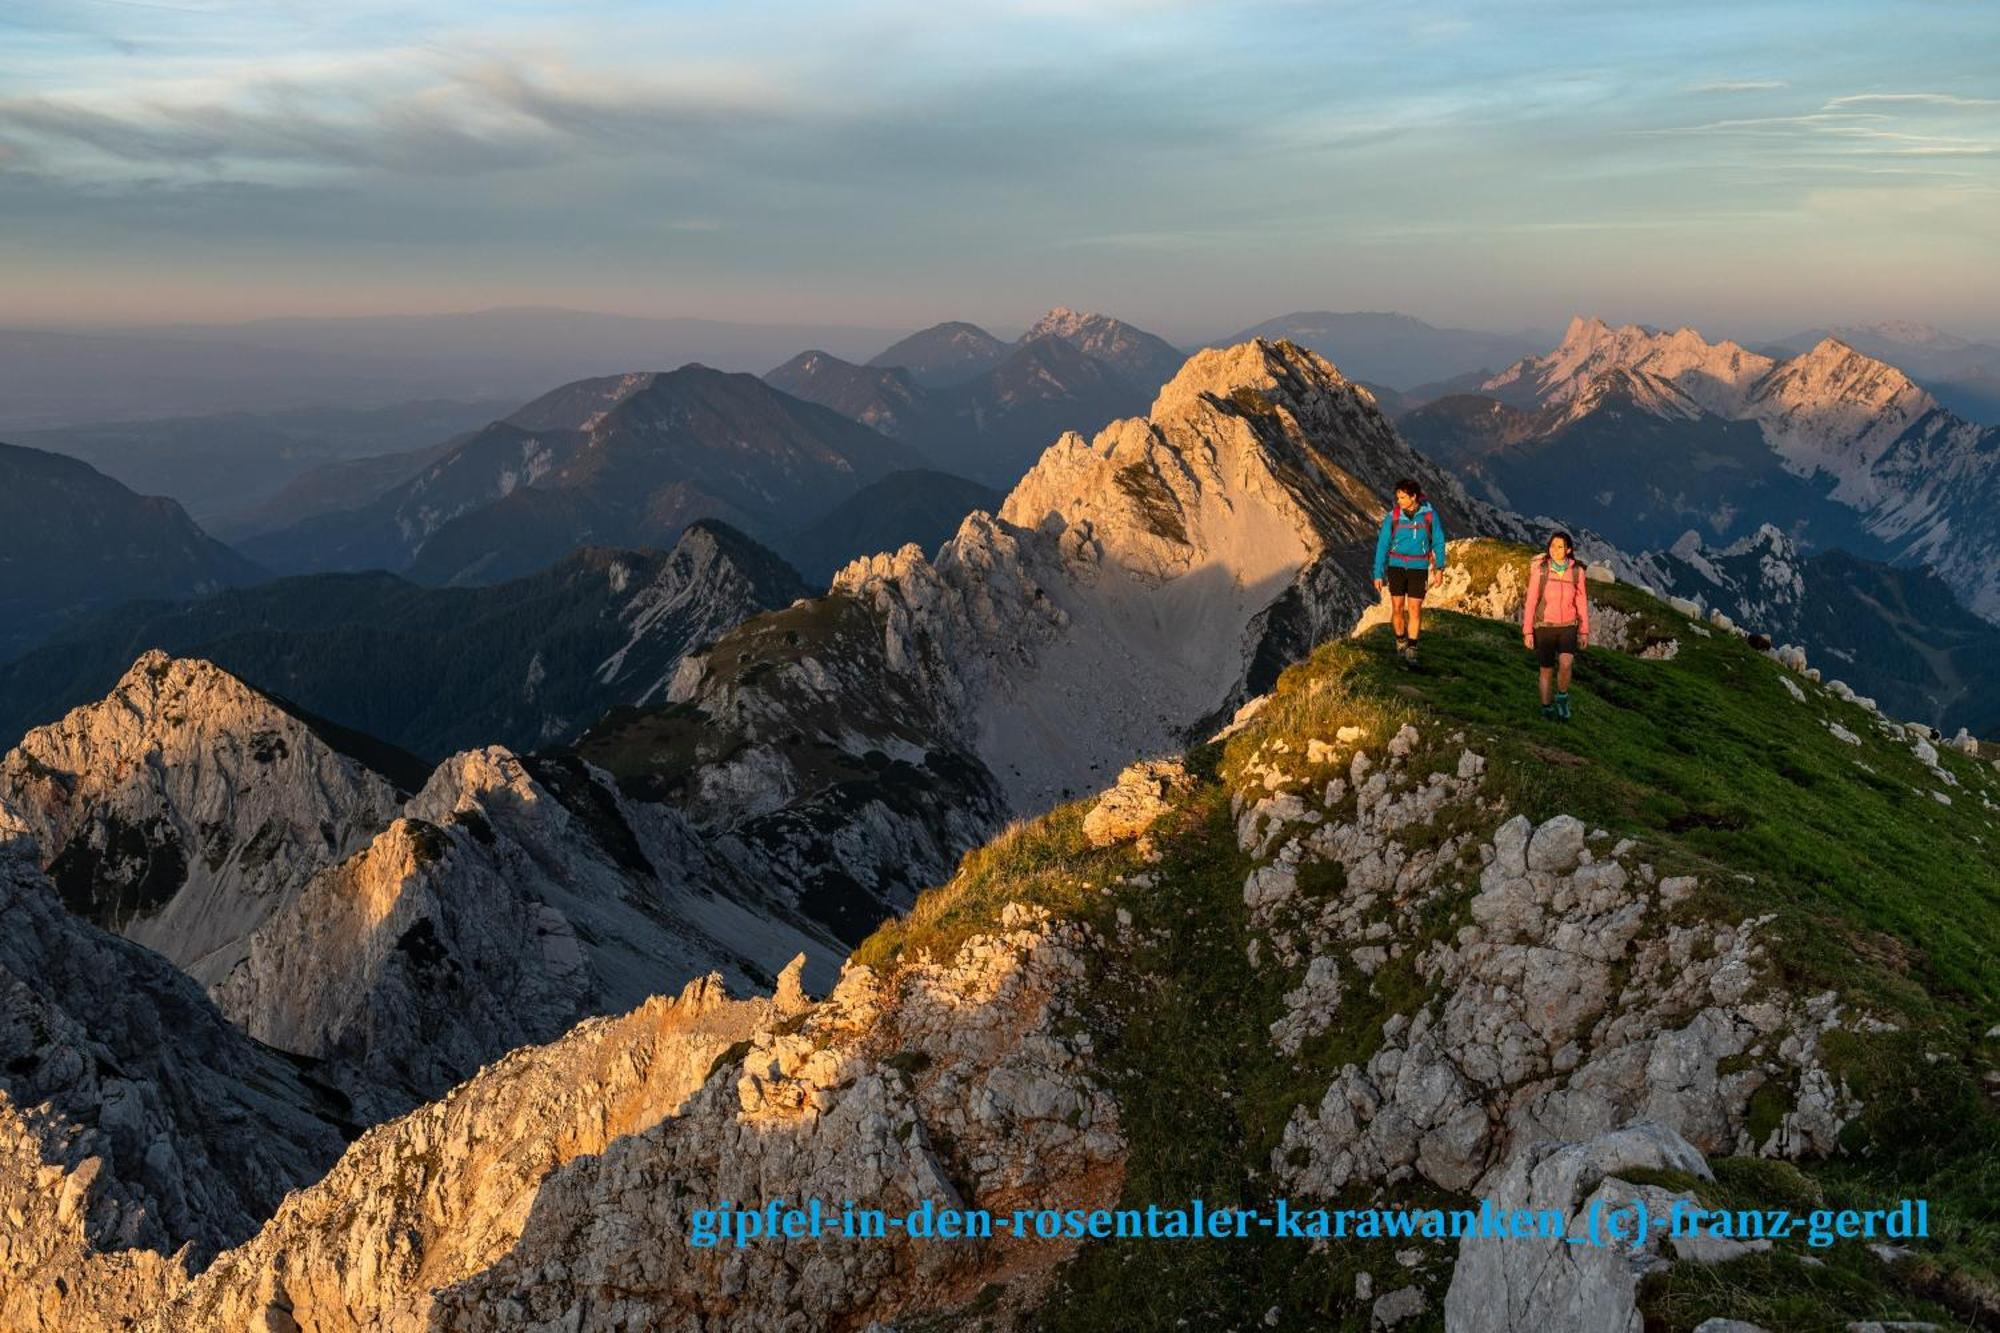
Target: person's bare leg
(1396,616)
(1548,674)
(1416,614)
(1562,676)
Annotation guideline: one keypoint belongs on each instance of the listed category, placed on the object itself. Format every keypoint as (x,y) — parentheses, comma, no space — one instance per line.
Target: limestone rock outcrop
(511,898)
(1552,1285)
(1572,1003)
(432,1198)
(1135,801)
(949,1084)
(559,1186)
(185,809)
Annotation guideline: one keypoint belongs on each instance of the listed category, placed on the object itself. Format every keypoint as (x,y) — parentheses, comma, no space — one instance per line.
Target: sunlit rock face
(185,809)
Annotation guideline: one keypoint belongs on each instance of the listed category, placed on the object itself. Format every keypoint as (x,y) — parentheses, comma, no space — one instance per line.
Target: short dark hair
(1569,542)
(1408,486)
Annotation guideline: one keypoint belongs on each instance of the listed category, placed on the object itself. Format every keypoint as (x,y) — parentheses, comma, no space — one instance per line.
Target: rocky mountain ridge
(1962,374)
(511,898)
(985,409)
(1719,376)
(1144,359)
(139,1133)
(185,808)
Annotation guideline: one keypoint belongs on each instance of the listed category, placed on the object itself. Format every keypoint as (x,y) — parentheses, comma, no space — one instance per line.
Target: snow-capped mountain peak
(1854,429)
(1835,411)
(1620,388)
(1717,376)
(1832,370)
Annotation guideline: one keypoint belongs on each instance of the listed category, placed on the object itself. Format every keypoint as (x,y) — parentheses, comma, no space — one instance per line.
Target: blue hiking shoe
(1548,712)
(1562,707)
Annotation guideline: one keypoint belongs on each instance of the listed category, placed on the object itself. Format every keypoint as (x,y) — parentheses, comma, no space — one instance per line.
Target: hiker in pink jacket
(1555,619)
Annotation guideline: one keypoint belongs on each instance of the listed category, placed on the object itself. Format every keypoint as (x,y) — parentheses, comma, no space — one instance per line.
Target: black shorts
(1407,582)
(1552,641)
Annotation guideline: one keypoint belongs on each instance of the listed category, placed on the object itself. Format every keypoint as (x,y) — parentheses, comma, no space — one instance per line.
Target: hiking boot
(1410,654)
(1562,707)
(1548,712)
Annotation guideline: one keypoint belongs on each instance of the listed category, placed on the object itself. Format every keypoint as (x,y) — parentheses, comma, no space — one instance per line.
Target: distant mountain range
(73,541)
(619,461)
(52,378)
(525,663)
(1640,434)
(1631,458)
(986,409)
(1636,434)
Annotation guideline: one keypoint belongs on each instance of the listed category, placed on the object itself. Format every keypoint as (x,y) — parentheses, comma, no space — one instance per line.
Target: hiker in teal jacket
(1410,544)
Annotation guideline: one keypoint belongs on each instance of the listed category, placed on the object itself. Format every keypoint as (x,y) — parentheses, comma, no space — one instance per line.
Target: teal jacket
(1409,542)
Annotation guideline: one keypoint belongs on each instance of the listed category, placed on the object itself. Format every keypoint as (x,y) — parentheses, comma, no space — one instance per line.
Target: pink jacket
(1563,598)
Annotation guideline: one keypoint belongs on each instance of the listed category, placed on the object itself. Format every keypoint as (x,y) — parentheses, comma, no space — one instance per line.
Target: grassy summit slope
(1875,889)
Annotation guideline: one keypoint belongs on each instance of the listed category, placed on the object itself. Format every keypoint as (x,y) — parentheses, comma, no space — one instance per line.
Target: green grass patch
(1796,1286)
(1045,862)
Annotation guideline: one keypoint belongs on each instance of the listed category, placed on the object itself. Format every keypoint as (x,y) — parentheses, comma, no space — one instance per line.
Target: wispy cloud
(1922,99)
(1902,124)
(404,136)
(1737,86)
(459,121)
(1811,122)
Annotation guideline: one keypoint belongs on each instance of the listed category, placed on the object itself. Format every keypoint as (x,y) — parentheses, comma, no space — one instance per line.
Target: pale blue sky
(1751,166)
